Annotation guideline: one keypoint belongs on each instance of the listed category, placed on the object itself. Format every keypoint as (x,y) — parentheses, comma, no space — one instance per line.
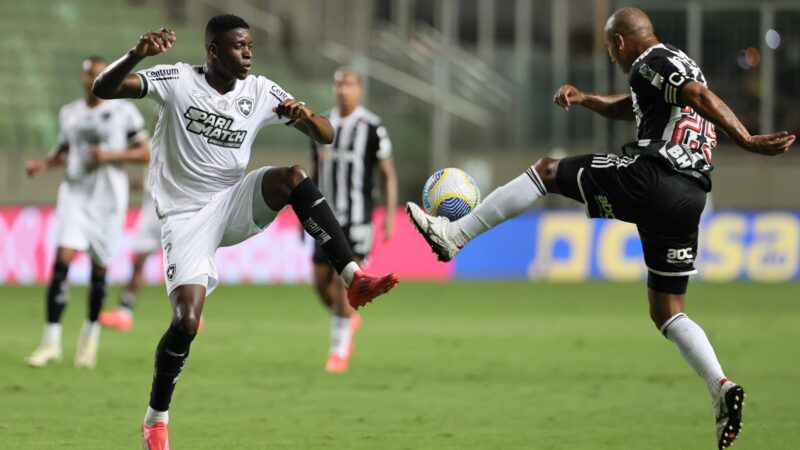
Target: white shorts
(148,228)
(96,231)
(190,240)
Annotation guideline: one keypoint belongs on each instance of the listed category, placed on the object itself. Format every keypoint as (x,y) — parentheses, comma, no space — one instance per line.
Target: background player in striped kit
(95,138)
(344,171)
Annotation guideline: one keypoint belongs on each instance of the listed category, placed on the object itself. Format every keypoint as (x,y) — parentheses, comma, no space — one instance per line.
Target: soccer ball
(450,193)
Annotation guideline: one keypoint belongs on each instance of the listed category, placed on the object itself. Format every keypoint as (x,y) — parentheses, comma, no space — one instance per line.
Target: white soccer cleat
(43,355)
(728,411)
(86,354)
(435,230)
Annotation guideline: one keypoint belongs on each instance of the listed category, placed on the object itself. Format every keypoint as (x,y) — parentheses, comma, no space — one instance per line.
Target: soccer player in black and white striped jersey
(344,171)
(660,185)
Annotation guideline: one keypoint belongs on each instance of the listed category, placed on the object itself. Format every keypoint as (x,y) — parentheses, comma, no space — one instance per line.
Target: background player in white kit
(208,118)
(344,171)
(95,137)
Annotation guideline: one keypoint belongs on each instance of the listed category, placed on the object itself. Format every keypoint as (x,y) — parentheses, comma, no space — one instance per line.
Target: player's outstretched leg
(508,201)
(290,185)
(666,310)
(55,301)
(171,354)
(121,318)
(89,337)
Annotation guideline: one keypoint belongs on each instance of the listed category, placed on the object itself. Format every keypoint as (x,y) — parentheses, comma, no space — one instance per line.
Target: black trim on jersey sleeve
(658,78)
(145,85)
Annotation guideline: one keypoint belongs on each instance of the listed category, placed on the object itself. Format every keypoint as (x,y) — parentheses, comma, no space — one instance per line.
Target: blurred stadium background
(459,83)
(464,83)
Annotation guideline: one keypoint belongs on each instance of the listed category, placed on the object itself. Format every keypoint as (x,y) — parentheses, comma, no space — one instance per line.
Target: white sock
(348,272)
(695,348)
(52,334)
(504,203)
(152,416)
(340,336)
(90,330)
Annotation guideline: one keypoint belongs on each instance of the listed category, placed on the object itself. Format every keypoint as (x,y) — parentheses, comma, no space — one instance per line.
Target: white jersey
(113,125)
(202,139)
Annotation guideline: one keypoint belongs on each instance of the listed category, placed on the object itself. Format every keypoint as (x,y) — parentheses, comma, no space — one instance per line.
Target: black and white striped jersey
(657,77)
(345,167)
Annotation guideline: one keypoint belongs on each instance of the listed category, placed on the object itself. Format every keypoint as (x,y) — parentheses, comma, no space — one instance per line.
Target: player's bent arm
(389,179)
(316,127)
(117,81)
(57,158)
(712,108)
(614,106)
(138,152)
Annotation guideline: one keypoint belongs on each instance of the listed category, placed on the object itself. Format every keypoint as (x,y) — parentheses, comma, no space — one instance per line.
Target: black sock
(171,354)
(57,294)
(97,294)
(318,220)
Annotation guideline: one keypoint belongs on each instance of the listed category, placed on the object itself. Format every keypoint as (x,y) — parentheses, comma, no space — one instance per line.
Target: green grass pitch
(437,366)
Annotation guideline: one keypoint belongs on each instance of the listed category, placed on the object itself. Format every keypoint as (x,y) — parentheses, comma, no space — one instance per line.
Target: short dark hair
(222,24)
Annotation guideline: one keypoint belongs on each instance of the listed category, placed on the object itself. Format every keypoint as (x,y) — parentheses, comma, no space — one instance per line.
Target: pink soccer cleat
(154,437)
(364,287)
(116,319)
(336,363)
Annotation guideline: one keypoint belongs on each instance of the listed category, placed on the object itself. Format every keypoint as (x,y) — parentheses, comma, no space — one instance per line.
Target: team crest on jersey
(216,128)
(245,106)
(171,272)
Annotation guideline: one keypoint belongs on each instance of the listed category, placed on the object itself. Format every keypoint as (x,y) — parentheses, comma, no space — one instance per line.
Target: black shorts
(665,205)
(360,238)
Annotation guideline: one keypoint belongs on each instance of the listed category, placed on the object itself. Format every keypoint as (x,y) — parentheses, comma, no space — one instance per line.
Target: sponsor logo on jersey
(216,128)
(606,208)
(279,93)
(680,256)
(678,155)
(245,106)
(163,74)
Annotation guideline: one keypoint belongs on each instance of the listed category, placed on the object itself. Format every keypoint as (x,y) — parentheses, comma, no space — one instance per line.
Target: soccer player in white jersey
(344,170)
(208,117)
(660,185)
(95,137)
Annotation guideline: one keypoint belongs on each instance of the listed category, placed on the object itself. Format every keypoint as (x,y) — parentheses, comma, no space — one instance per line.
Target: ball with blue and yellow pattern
(450,193)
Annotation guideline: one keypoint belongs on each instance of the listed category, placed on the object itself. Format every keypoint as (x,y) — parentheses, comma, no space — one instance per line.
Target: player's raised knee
(295,175)
(546,169)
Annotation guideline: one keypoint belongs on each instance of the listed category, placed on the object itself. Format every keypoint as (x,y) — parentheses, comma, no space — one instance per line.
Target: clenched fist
(154,42)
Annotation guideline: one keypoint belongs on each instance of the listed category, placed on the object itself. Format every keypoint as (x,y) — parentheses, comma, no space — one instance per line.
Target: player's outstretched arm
(614,106)
(57,158)
(117,81)
(307,121)
(712,108)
